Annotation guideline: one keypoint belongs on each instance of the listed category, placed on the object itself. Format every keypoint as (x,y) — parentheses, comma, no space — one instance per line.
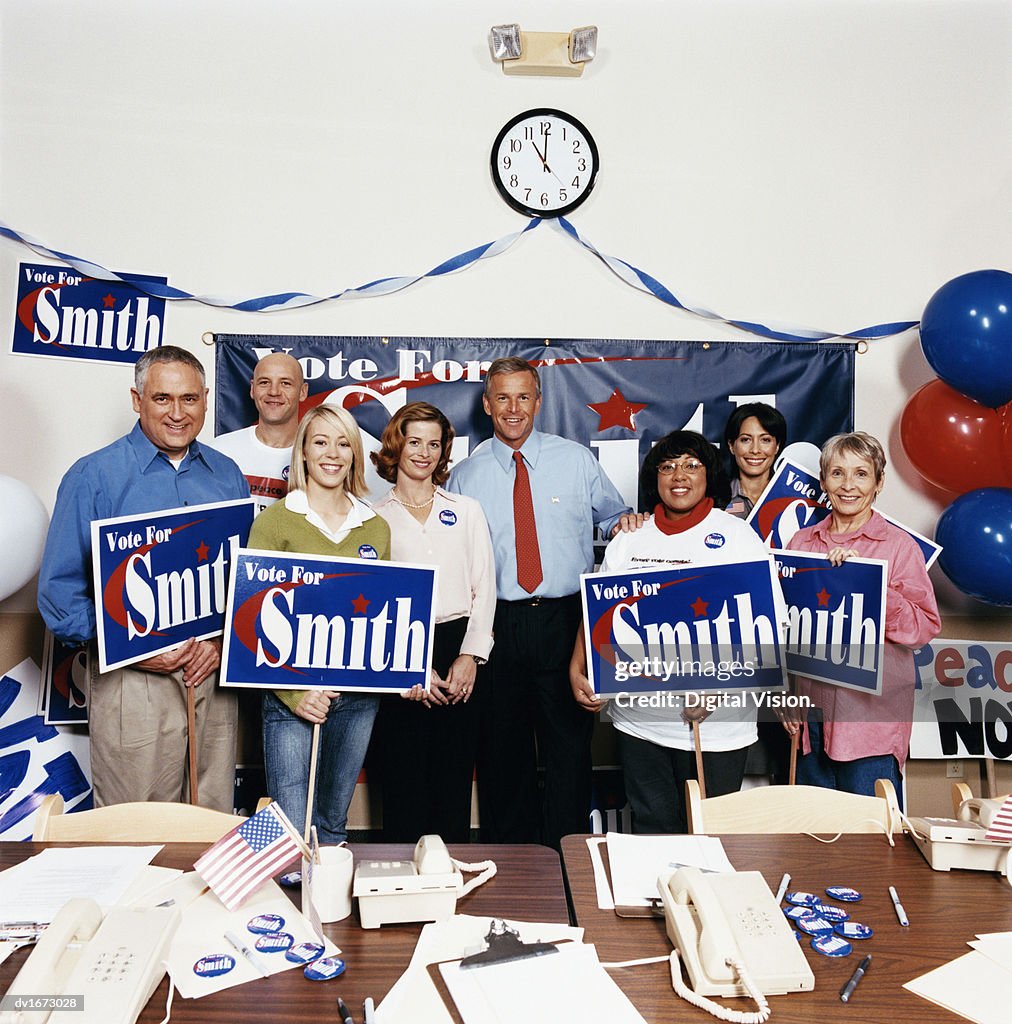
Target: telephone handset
(115,962)
(980,811)
(716,918)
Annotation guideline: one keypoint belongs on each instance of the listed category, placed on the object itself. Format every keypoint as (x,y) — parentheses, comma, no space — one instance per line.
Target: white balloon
(23,525)
(803,454)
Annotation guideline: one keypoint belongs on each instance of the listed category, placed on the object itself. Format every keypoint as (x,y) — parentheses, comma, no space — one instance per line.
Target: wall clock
(544,162)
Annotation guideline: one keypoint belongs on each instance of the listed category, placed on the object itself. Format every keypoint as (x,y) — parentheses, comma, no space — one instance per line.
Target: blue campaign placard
(162,577)
(836,617)
(64,314)
(794,499)
(701,627)
(312,621)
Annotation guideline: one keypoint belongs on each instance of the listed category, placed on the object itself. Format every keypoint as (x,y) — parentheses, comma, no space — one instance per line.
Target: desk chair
(131,823)
(792,809)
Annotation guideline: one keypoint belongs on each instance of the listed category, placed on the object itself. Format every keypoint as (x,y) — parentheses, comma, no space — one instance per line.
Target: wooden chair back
(131,823)
(792,809)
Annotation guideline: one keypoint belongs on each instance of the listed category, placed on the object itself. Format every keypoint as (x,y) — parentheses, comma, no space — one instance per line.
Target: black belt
(537,601)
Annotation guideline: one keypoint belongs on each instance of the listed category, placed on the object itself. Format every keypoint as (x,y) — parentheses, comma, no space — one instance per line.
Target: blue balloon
(976,534)
(966,335)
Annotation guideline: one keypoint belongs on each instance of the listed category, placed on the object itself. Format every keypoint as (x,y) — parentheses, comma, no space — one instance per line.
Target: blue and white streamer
(626,272)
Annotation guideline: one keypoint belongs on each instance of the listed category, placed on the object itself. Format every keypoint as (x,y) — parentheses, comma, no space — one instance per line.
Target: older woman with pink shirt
(851,739)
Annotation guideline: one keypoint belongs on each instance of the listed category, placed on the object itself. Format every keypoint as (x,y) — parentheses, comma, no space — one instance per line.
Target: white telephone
(115,963)
(734,939)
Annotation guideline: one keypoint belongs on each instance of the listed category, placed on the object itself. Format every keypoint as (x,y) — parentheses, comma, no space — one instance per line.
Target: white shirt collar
(298,501)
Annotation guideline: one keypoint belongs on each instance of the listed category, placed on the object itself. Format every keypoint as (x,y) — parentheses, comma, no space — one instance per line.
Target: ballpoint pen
(848,990)
(254,960)
(369,1011)
(343,1012)
(901,914)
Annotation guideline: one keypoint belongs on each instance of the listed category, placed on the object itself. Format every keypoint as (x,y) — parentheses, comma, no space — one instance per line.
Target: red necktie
(529,573)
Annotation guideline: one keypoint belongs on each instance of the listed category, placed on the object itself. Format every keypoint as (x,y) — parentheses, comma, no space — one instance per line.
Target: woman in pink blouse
(851,739)
(427,744)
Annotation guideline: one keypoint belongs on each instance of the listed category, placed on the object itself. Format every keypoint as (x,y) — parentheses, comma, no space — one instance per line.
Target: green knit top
(278,528)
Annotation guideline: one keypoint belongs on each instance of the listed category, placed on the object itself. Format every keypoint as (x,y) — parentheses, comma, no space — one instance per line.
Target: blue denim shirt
(571,495)
(128,477)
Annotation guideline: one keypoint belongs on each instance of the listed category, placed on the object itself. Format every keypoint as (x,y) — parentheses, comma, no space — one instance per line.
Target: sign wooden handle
(698,744)
(191,740)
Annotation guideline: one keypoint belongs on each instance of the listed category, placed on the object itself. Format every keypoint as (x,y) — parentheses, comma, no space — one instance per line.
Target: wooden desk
(528,886)
(946,909)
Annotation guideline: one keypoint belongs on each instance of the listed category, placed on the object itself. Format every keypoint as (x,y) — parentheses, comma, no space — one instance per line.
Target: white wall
(826,163)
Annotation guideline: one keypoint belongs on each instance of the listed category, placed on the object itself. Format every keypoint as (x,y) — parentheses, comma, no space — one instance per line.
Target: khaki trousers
(137,725)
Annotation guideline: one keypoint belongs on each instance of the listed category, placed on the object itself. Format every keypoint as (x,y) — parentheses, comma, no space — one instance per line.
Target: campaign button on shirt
(325,969)
(276,943)
(213,966)
(448,517)
(367,551)
(714,540)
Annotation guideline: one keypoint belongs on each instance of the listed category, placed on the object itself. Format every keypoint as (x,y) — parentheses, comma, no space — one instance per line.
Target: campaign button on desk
(831,945)
(325,969)
(798,913)
(834,914)
(815,925)
(214,966)
(277,942)
(854,930)
(802,899)
(266,924)
(292,878)
(843,892)
(304,952)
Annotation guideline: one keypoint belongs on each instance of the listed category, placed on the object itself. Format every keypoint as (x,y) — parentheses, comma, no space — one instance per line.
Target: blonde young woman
(322,514)
(427,744)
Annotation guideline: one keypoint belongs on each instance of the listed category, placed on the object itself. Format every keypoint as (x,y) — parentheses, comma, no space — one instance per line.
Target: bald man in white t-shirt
(264,450)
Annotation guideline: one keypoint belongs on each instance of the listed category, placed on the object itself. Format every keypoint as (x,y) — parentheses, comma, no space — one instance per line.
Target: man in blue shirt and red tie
(542,495)
(137,714)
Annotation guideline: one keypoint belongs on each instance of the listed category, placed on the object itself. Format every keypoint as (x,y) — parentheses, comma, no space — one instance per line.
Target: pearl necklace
(407,504)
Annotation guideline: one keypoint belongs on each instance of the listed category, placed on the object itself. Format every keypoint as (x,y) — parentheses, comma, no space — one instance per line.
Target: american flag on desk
(241,861)
(1000,829)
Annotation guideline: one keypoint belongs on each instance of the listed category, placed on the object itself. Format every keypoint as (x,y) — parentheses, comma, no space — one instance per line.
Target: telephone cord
(718,1011)
(486,867)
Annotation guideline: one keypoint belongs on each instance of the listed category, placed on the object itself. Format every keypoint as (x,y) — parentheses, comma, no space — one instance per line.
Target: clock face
(544,162)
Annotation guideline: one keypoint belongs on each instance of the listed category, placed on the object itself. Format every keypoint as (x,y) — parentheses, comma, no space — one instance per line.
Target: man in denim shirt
(137,714)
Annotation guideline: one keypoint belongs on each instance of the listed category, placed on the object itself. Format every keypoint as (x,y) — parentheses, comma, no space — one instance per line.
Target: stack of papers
(975,985)
(637,862)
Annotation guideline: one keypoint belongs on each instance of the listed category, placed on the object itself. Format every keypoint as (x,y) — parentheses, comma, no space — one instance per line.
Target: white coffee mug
(331,885)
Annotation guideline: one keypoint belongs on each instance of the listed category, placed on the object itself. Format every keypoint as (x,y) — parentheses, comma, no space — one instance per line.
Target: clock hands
(543,157)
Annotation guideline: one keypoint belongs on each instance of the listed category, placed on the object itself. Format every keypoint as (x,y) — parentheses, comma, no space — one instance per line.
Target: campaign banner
(300,622)
(794,499)
(63,314)
(615,397)
(64,683)
(963,701)
(836,616)
(699,627)
(162,577)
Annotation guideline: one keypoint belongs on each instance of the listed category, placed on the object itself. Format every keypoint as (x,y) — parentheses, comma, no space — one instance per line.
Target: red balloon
(954,442)
(1005,414)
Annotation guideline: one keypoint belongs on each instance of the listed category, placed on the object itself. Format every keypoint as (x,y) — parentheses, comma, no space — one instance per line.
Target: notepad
(570,985)
(973,985)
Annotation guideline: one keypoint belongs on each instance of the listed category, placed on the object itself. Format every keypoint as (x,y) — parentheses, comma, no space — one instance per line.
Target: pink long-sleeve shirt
(859,724)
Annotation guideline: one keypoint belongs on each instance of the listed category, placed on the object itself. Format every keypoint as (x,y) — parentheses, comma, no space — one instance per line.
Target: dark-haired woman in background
(754,436)
(426,745)
(683,482)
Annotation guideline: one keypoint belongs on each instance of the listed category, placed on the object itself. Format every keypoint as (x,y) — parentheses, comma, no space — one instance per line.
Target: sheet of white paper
(996,947)
(414,997)
(637,861)
(39,886)
(605,900)
(972,985)
(202,933)
(568,985)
